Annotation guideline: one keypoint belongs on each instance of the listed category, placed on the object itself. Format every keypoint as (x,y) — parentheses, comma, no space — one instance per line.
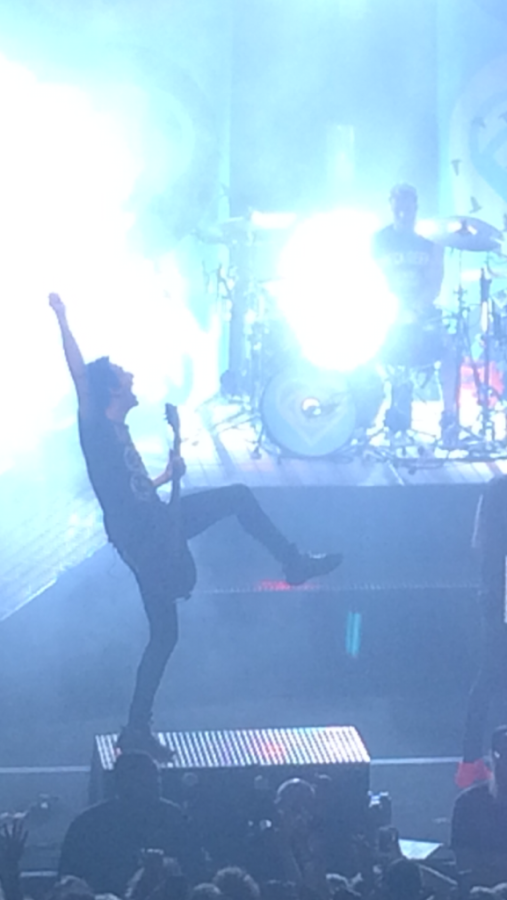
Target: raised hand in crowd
(159,878)
(13,835)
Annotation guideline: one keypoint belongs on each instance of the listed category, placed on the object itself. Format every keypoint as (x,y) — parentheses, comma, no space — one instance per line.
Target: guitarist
(150,535)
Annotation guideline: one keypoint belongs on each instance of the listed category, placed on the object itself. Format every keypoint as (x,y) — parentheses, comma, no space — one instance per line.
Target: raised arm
(73,355)
(12,843)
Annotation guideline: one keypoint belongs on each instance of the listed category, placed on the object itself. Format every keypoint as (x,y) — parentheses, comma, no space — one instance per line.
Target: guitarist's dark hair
(101,380)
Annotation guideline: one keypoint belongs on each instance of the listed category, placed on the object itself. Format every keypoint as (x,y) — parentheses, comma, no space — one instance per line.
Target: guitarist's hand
(176,467)
(57,305)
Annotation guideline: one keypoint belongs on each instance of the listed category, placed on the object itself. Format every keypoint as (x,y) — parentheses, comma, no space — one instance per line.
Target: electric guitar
(183,566)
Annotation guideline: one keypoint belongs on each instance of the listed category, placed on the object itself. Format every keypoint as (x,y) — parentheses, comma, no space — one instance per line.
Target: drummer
(414,269)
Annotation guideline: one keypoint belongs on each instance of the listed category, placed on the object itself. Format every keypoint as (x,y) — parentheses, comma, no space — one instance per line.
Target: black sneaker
(303,566)
(143,740)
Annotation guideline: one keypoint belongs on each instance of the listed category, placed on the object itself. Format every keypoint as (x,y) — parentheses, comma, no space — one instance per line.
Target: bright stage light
(67,173)
(332,293)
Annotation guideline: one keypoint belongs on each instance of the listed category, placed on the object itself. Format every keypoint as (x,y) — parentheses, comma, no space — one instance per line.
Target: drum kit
(298,409)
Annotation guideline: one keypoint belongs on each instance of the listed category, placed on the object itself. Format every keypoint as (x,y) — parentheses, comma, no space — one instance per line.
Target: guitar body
(183,571)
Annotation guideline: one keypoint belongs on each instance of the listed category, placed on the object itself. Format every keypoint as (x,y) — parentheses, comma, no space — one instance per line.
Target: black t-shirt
(479,824)
(126,494)
(103,844)
(406,259)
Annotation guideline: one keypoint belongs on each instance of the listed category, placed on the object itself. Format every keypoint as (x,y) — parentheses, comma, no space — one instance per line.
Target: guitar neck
(176,480)
(173,420)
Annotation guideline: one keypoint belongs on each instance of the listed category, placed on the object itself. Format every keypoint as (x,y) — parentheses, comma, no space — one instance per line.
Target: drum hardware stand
(466,439)
(237,294)
(227,289)
(486,392)
(263,443)
(460,437)
(466,234)
(248,399)
(409,448)
(397,437)
(240,383)
(485,444)
(397,452)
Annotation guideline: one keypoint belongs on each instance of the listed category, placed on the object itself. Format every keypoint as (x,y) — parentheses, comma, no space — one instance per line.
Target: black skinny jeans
(198,511)
(491,679)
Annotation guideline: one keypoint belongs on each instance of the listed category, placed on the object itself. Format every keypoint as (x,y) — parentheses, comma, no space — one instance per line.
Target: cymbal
(227,232)
(236,223)
(254,225)
(257,221)
(209,235)
(464,233)
(272,221)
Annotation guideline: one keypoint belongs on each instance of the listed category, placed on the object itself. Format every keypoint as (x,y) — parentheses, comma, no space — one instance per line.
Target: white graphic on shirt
(140,482)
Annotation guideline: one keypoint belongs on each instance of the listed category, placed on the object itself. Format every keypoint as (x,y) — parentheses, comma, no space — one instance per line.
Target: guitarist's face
(123,392)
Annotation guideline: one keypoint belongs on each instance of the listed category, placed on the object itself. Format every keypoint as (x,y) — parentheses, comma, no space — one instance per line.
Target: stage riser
(223,803)
(226,780)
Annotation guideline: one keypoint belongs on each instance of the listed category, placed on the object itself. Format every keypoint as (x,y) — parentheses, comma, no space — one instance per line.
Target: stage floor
(50,520)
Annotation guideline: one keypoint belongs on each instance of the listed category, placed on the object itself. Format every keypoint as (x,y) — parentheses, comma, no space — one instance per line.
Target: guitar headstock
(172,418)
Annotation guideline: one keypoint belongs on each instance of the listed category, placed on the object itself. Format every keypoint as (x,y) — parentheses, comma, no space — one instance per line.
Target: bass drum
(310,412)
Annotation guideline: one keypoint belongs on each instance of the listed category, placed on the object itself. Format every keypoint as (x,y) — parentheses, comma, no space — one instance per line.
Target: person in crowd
(297,838)
(402,880)
(236,884)
(104,844)
(384,872)
(341,888)
(490,541)
(281,890)
(482,893)
(159,878)
(150,535)
(71,888)
(500,891)
(13,836)
(479,821)
(206,891)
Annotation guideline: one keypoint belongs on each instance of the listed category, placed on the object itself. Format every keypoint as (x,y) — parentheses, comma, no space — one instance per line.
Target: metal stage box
(226,780)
